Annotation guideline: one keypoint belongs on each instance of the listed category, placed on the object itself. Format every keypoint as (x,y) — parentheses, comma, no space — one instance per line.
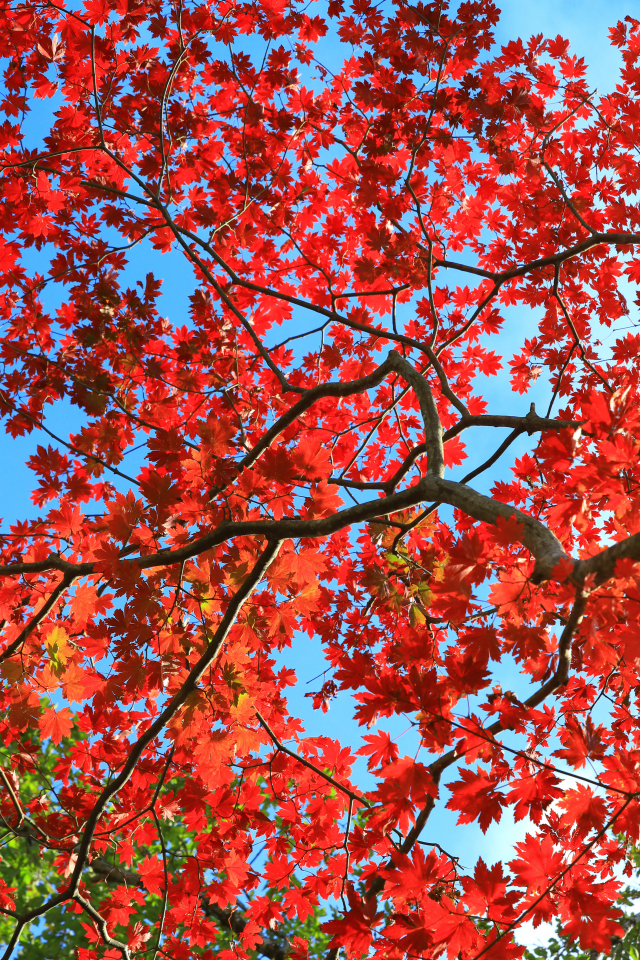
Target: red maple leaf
(152,874)
(380,749)
(477,798)
(56,724)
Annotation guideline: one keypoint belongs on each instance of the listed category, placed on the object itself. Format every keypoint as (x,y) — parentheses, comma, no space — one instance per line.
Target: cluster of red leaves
(284,492)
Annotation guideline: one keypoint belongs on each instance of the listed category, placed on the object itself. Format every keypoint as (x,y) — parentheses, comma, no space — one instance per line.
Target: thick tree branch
(431,420)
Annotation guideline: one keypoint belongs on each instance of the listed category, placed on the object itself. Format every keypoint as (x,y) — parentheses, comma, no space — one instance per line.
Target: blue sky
(586,25)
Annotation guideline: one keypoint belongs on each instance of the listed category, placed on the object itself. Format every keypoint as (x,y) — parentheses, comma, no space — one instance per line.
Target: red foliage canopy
(362,197)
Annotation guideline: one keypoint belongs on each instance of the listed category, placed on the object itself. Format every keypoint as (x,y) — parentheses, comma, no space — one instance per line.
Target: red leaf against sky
(380,749)
(477,797)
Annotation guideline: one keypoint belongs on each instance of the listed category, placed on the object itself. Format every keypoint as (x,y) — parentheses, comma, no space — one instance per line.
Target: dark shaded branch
(428,409)
(489,462)
(112,874)
(234,606)
(47,606)
(531,423)
(596,240)
(101,924)
(538,539)
(310,397)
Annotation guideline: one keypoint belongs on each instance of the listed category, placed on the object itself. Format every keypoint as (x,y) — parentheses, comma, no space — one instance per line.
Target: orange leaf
(56,724)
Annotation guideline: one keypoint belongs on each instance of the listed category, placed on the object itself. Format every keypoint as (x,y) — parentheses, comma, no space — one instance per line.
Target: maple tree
(366,199)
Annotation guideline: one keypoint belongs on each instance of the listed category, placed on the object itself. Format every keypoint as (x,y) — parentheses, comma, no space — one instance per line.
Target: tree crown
(366,200)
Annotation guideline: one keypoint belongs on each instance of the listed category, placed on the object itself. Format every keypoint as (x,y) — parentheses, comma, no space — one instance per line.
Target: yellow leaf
(58,647)
(416,616)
